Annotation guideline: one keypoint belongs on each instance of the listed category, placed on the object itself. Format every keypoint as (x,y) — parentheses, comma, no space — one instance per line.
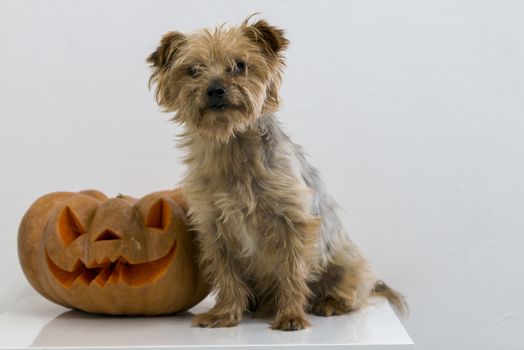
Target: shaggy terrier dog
(271,242)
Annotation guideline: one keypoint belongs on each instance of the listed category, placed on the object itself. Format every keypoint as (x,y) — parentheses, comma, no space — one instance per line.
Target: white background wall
(412,110)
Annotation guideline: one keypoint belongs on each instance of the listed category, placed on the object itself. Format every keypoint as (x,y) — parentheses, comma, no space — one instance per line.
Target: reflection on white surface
(35,322)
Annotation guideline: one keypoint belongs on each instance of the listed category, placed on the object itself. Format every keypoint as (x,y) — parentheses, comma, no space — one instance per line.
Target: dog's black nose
(216,93)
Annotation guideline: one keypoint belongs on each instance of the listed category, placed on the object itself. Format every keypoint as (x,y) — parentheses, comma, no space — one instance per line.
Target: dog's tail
(396,299)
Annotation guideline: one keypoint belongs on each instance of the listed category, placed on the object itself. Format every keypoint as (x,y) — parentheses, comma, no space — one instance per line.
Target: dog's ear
(170,43)
(271,39)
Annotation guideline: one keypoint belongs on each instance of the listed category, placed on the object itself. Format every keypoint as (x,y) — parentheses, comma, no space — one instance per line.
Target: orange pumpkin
(112,256)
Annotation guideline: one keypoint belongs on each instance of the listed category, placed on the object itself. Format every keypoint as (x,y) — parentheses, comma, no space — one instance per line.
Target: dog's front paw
(290,323)
(211,319)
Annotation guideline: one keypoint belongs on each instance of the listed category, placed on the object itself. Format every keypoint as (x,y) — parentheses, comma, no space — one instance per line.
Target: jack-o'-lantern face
(85,244)
(118,255)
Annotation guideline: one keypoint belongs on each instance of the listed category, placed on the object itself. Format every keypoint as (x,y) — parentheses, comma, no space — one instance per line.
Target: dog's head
(218,82)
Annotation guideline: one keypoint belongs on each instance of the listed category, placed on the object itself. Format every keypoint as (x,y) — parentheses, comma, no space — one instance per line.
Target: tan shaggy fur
(271,242)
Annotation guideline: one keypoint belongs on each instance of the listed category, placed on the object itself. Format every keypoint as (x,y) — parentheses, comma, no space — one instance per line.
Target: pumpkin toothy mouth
(113,272)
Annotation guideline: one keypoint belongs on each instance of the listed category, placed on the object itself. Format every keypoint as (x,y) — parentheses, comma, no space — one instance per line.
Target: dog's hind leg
(343,286)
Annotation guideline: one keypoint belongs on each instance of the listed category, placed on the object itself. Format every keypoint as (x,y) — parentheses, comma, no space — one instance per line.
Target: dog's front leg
(292,289)
(232,293)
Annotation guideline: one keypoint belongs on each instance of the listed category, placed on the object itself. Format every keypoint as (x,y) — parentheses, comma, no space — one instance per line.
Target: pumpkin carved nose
(107,235)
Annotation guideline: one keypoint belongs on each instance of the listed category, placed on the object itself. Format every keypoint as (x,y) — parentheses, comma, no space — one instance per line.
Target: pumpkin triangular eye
(107,235)
(69,226)
(159,215)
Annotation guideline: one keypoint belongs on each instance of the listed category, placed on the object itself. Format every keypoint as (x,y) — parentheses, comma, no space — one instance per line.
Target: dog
(269,237)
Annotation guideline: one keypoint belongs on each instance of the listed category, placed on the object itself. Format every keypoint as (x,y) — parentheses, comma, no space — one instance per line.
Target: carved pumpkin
(113,256)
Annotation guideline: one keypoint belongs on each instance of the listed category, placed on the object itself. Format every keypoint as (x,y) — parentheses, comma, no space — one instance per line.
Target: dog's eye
(193,72)
(240,67)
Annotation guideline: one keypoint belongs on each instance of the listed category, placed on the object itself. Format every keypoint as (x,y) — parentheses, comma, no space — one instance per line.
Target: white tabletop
(34,322)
